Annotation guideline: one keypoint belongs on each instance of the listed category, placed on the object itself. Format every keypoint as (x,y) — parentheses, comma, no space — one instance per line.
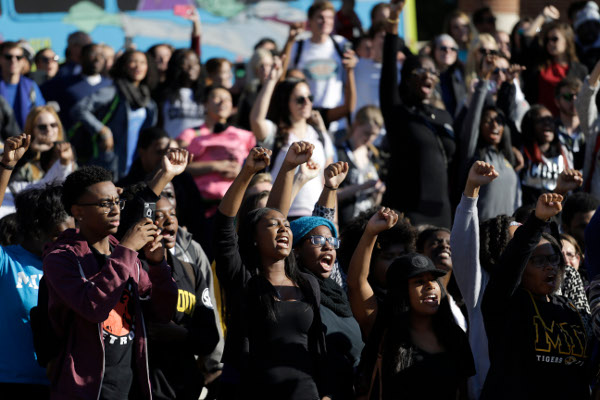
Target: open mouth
(427,87)
(430,299)
(168,235)
(326,262)
(550,280)
(283,242)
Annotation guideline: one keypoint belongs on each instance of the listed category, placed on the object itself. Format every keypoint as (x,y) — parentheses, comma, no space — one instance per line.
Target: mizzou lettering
(186,302)
(568,340)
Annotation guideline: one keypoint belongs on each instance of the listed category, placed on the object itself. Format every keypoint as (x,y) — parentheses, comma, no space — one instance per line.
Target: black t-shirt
(416,381)
(118,334)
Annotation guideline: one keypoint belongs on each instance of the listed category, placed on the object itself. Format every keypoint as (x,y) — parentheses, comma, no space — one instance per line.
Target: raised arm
(258,114)
(281,192)
(360,293)
(172,164)
(585,103)
(389,96)
(349,61)
(14,148)
(464,239)
(295,29)
(258,159)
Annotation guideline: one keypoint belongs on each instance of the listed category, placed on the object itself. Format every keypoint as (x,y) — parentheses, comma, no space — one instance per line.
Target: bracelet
(329,187)
(393,21)
(6,167)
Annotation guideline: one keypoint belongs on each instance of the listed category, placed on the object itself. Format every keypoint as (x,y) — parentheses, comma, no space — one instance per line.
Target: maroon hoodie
(81,296)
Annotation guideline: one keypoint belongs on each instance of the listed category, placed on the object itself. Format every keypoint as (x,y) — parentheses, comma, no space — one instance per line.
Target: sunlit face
(318,259)
(273,236)
(322,22)
(556,43)
(437,248)
(137,67)
(45,132)
(219,104)
(299,103)
(166,221)
(162,55)
(544,127)
(500,73)
(264,67)
(424,294)
(191,67)
(540,276)
(97,220)
(48,61)
(492,127)
(11,60)
(572,257)
(445,53)
(459,30)
(365,134)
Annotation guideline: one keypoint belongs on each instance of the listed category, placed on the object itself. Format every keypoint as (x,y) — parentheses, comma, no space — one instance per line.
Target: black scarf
(136,96)
(333,296)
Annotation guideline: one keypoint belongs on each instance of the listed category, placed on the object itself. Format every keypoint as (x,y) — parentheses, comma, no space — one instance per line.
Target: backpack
(46,342)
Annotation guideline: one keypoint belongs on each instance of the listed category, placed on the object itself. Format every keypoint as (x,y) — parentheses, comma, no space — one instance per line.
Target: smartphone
(150,211)
(183,10)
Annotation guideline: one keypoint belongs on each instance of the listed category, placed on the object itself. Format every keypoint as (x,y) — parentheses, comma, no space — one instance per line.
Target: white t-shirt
(183,113)
(304,203)
(322,66)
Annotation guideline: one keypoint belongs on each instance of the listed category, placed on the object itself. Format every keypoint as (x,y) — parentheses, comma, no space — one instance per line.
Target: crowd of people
(341,218)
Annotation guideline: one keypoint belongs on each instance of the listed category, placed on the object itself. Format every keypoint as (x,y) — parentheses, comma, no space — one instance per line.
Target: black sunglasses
(503,70)
(301,100)
(47,60)
(9,57)
(499,119)
(548,121)
(488,52)
(45,127)
(447,49)
(568,96)
(422,71)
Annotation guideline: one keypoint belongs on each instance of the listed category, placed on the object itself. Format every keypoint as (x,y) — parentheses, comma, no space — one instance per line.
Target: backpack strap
(337,47)
(298,52)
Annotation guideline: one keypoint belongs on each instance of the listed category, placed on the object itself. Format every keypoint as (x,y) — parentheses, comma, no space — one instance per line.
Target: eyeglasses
(552,39)
(568,96)
(46,127)
(423,71)
(47,60)
(447,49)
(106,205)
(488,52)
(10,57)
(498,70)
(318,240)
(541,261)
(497,119)
(302,100)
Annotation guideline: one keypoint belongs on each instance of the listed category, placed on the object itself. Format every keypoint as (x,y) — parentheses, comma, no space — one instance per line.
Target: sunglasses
(497,119)
(318,240)
(47,60)
(45,127)
(488,52)
(10,57)
(498,70)
(568,96)
(302,100)
(547,121)
(447,49)
(541,261)
(423,71)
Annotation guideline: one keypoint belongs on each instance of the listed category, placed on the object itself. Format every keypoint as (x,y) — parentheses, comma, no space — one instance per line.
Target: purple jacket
(82,294)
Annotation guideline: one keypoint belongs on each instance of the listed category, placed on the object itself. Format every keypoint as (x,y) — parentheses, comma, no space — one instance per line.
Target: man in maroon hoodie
(98,290)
